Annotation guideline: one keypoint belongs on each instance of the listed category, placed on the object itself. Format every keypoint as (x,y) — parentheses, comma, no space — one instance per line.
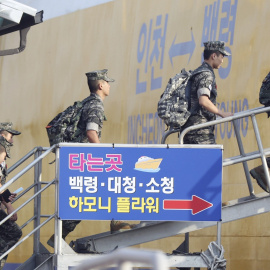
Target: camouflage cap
(6,145)
(99,75)
(216,46)
(7,126)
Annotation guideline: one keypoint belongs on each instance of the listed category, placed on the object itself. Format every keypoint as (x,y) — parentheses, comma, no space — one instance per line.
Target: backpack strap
(194,73)
(200,70)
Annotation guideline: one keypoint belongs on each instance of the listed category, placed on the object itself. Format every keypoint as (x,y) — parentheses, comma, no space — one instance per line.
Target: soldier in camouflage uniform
(10,232)
(203,95)
(90,124)
(258,173)
(92,117)
(7,131)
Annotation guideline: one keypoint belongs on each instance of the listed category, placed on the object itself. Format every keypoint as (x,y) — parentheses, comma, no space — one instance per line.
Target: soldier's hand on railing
(225,114)
(207,104)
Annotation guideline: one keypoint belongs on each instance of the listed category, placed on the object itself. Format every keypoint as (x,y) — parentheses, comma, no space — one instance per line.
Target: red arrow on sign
(197,204)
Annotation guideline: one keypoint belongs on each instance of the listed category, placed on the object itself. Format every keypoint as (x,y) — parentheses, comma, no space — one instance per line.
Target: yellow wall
(50,75)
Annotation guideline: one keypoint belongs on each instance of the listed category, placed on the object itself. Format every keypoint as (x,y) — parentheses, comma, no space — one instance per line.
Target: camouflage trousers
(70,225)
(2,262)
(200,136)
(10,233)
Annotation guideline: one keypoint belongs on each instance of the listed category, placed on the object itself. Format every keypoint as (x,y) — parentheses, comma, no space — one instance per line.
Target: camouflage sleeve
(204,82)
(2,177)
(3,172)
(93,118)
(92,126)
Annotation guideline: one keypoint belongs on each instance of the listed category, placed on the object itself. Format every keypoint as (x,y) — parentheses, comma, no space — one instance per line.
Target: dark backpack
(174,104)
(64,127)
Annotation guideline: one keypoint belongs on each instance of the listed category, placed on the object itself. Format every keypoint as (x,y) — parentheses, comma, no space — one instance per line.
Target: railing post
(219,233)
(58,222)
(260,146)
(164,137)
(242,152)
(37,200)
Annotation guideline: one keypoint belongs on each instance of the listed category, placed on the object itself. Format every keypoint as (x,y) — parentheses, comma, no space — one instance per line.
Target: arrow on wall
(182,48)
(197,204)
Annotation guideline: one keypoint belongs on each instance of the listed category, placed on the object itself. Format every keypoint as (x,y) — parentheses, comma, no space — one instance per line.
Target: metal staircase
(65,255)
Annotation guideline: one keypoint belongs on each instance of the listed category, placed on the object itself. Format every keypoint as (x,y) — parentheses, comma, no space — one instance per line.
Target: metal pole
(219,233)
(164,137)
(242,152)
(37,201)
(58,222)
(259,142)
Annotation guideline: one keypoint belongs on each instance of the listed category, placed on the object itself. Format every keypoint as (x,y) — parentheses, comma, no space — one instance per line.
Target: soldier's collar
(96,96)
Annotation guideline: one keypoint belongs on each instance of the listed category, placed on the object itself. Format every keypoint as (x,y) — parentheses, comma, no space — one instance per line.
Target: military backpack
(64,127)
(175,102)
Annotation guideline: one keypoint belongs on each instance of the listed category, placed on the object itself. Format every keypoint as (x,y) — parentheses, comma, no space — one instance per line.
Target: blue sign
(140,183)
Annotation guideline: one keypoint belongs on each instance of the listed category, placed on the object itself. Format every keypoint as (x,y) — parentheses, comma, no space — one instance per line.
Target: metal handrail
(27,236)
(23,159)
(37,194)
(236,116)
(219,120)
(27,168)
(248,157)
(29,200)
(243,157)
(27,156)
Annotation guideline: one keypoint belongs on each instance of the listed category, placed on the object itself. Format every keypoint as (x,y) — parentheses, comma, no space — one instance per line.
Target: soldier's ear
(101,84)
(214,56)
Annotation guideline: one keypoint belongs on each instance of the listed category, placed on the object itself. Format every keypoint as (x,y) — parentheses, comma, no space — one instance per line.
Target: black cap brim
(225,53)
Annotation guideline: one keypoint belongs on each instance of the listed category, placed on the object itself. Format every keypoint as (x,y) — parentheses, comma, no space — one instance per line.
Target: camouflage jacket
(3,172)
(202,80)
(93,112)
